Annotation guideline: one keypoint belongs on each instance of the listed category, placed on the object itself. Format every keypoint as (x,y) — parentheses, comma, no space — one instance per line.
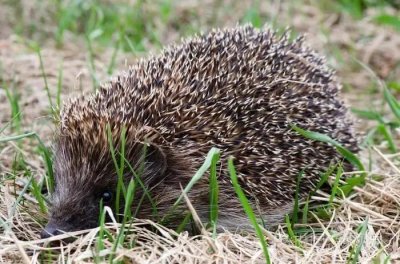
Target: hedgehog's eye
(106,196)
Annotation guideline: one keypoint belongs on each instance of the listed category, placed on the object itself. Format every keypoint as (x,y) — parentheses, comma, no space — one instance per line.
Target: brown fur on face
(239,90)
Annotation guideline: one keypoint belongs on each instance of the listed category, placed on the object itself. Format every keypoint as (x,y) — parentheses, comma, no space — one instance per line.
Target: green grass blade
(36,48)
(335,186)
(253,16)
(99,241)
(369,137)
(13,99)
(130,194)
(368,114)
(44,152)
(324,178)
(388,136)
(197,176)
(392,102)
(363,231)
(146,192)
(296,199)
(19,199)
(118,167)
(184,223)
(59,86)
(199,173)
(292,236)
(247,208)
(389,20)
(111,66)
(48,162)
(17,137)
(127,213)
(347,154)
(36,191)
(214,192)
(304,219)
(92,68)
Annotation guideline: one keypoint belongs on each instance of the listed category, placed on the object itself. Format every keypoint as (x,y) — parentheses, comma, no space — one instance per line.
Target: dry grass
(332,241)
(362,51)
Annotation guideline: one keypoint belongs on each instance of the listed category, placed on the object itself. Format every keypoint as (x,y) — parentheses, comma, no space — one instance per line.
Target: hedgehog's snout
(50,230)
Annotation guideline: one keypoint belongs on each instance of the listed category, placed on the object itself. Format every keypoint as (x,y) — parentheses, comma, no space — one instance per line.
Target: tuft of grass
(384,126)
(130,194)
(247,208)
(362,230)
(18,201)
(146,191)
(347,154)
(110,21)
(43,150)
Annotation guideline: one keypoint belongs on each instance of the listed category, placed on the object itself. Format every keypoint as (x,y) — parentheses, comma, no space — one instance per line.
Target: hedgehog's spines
(237,89)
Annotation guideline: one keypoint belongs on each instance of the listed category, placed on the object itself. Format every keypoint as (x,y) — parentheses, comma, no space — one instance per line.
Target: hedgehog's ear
(155,162)
(156,157)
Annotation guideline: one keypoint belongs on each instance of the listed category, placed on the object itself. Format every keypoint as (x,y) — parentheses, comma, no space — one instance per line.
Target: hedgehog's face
(86,177)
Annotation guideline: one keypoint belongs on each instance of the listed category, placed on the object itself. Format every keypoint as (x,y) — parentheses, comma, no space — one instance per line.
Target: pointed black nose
(49,231)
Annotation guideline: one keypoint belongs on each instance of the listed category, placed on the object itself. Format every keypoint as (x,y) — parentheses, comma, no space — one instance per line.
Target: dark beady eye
(106,196)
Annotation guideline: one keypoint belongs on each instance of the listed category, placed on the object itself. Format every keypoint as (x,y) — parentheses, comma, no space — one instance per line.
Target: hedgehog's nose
(49,231)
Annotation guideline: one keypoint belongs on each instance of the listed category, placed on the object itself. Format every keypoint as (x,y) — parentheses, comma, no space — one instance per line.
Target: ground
(51,50)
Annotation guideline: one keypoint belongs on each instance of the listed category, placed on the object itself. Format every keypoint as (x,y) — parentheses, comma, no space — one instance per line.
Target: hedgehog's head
(85,172)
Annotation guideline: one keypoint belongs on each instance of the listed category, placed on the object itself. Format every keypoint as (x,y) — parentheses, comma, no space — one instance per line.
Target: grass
(120,162)
(119,167)
(214,190)
(92,68)
(347,154)
(13,98)
(211,157)
(335,187)
(385,127)
(324,227)
(248,210)
(362,231)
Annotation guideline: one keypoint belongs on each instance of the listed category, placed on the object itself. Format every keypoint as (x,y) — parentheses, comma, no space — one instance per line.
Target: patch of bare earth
(367,52)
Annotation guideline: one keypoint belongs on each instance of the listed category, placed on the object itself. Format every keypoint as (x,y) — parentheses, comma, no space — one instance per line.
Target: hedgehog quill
(237,89)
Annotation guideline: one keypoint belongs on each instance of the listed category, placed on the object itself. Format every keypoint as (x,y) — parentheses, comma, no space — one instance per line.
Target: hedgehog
(238,89)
